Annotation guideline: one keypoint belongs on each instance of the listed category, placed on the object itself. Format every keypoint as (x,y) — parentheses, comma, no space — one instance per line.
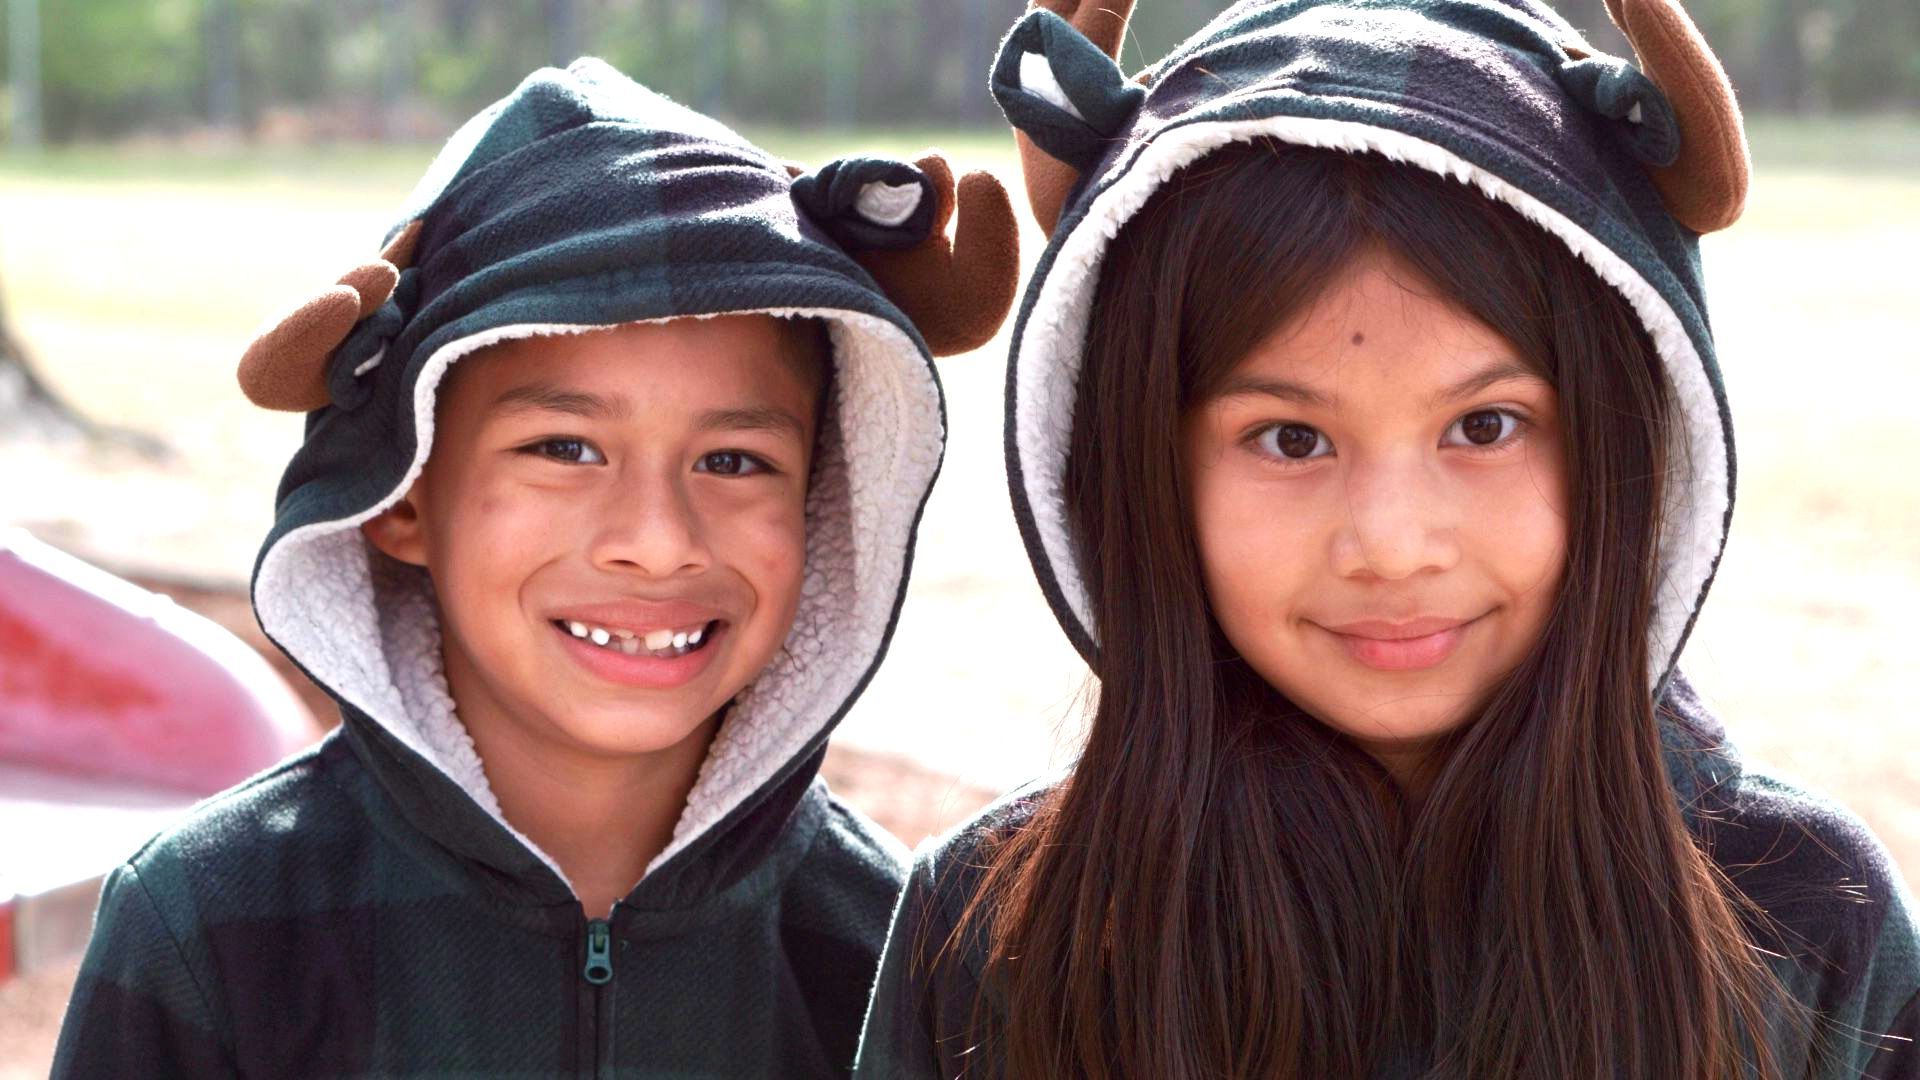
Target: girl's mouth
(661,643)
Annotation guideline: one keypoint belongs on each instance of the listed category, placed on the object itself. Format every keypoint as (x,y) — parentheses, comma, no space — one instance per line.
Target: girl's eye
(731,463)
(1295,442)
(570,451)
(1484,429)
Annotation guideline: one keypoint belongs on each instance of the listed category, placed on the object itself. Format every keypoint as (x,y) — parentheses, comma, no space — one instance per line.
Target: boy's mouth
(663,643)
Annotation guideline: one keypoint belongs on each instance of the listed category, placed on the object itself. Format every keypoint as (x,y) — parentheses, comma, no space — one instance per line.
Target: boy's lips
(649,644)
(639,616)
(642,669)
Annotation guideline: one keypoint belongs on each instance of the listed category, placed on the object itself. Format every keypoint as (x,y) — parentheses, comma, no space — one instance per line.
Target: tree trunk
(31,410)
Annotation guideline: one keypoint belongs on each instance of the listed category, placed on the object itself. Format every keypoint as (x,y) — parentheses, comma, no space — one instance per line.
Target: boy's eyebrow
(1302,395)
(758,418)
(544,398)
(540,397)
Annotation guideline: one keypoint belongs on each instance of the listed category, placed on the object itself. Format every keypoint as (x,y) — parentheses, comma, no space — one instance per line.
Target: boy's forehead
(593,373)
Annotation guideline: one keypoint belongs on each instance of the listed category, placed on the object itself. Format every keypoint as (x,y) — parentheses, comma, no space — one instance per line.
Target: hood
(582,201)
(1502,95)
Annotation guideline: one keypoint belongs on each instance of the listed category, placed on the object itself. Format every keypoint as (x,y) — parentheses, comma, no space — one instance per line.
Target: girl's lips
(642,671)
(1389,648)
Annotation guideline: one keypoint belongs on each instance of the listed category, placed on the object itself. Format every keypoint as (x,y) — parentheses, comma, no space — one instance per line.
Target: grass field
(137,276)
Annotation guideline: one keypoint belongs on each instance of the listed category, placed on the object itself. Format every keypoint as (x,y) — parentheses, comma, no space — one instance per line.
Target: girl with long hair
(1365,432)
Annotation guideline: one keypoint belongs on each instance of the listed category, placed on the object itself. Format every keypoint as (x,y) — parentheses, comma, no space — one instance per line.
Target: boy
(602,520)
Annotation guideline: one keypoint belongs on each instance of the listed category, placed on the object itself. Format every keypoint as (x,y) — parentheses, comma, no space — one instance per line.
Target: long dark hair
(1225,886)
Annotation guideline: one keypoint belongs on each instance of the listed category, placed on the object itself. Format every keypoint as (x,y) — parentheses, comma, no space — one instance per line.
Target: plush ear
(1059,83)
(892,218)
(1706,186)
(957,292)
(285,368)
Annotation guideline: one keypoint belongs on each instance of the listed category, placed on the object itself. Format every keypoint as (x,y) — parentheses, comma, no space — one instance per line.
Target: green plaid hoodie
(364,909)
(1489,93)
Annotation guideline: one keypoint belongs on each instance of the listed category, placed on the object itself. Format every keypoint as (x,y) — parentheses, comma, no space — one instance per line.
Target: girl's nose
(1399,522)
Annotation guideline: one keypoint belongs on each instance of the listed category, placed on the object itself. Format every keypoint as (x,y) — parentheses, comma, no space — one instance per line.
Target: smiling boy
(602,521)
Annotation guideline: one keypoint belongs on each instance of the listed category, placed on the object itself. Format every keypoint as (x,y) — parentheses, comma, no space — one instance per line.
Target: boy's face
(614,523)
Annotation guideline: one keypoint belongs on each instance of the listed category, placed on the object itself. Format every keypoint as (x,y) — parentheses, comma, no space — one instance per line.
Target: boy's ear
(398,531)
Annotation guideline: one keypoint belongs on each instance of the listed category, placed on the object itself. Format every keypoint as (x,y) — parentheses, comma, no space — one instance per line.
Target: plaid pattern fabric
(1845,933)
(307,924)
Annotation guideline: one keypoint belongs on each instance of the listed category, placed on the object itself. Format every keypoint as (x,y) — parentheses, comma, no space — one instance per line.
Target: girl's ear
(399,531)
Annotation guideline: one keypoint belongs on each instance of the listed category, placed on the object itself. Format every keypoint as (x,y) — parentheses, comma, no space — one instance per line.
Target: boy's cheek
(770,549)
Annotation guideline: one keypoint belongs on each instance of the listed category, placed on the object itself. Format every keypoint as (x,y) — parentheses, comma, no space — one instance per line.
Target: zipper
(595,975)
(599,967)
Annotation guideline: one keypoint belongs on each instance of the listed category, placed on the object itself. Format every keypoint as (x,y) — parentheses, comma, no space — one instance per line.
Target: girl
(1366,435)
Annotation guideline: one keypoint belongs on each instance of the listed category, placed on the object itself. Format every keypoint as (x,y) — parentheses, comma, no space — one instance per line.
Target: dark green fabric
(301,925)
(1845,925)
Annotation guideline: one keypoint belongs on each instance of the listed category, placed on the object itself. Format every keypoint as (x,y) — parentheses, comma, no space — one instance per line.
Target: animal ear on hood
(1706,186)
(1059,82)
(285,368)
(892,218)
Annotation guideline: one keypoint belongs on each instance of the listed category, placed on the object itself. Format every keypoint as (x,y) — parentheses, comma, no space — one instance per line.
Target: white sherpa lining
(365,624)
(1053,338)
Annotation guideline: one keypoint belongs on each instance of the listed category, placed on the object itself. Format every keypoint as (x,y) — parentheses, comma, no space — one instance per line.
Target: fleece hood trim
(584,202)
(1249,60)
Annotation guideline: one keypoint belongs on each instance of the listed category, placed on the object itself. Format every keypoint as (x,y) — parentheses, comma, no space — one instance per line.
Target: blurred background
(177,172)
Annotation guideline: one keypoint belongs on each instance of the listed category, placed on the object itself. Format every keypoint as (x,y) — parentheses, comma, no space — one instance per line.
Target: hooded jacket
(365,908)
(1504,96)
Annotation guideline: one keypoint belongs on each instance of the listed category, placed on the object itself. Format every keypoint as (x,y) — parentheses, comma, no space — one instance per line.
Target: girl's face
(1378,497)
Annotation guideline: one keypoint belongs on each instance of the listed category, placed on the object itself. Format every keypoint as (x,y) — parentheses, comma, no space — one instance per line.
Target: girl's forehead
(1379,331)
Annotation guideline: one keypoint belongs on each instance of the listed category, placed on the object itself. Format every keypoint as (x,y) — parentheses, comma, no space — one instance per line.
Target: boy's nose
(1398,523)
(648,525)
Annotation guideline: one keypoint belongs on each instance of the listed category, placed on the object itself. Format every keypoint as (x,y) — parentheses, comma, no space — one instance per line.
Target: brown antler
(1706,188)
(1103,22)
(957,293)
(285,368)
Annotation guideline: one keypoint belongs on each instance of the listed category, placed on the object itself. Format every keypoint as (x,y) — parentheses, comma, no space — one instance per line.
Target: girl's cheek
(1523,527)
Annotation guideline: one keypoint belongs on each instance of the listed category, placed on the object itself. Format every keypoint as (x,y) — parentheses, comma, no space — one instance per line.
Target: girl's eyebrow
(1502,371)
(1253,385)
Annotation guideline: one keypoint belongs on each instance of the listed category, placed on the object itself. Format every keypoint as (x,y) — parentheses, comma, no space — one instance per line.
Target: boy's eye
(571,451)
(731,463)
(1296,442)
(1483,428)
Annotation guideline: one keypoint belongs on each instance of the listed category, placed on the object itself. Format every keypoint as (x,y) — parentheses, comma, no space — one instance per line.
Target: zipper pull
(599,969)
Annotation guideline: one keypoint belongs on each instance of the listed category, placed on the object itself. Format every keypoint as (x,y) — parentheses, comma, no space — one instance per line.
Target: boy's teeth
(632,643)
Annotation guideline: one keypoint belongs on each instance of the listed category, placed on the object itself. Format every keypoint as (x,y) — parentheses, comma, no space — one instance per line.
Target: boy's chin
(635,731)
